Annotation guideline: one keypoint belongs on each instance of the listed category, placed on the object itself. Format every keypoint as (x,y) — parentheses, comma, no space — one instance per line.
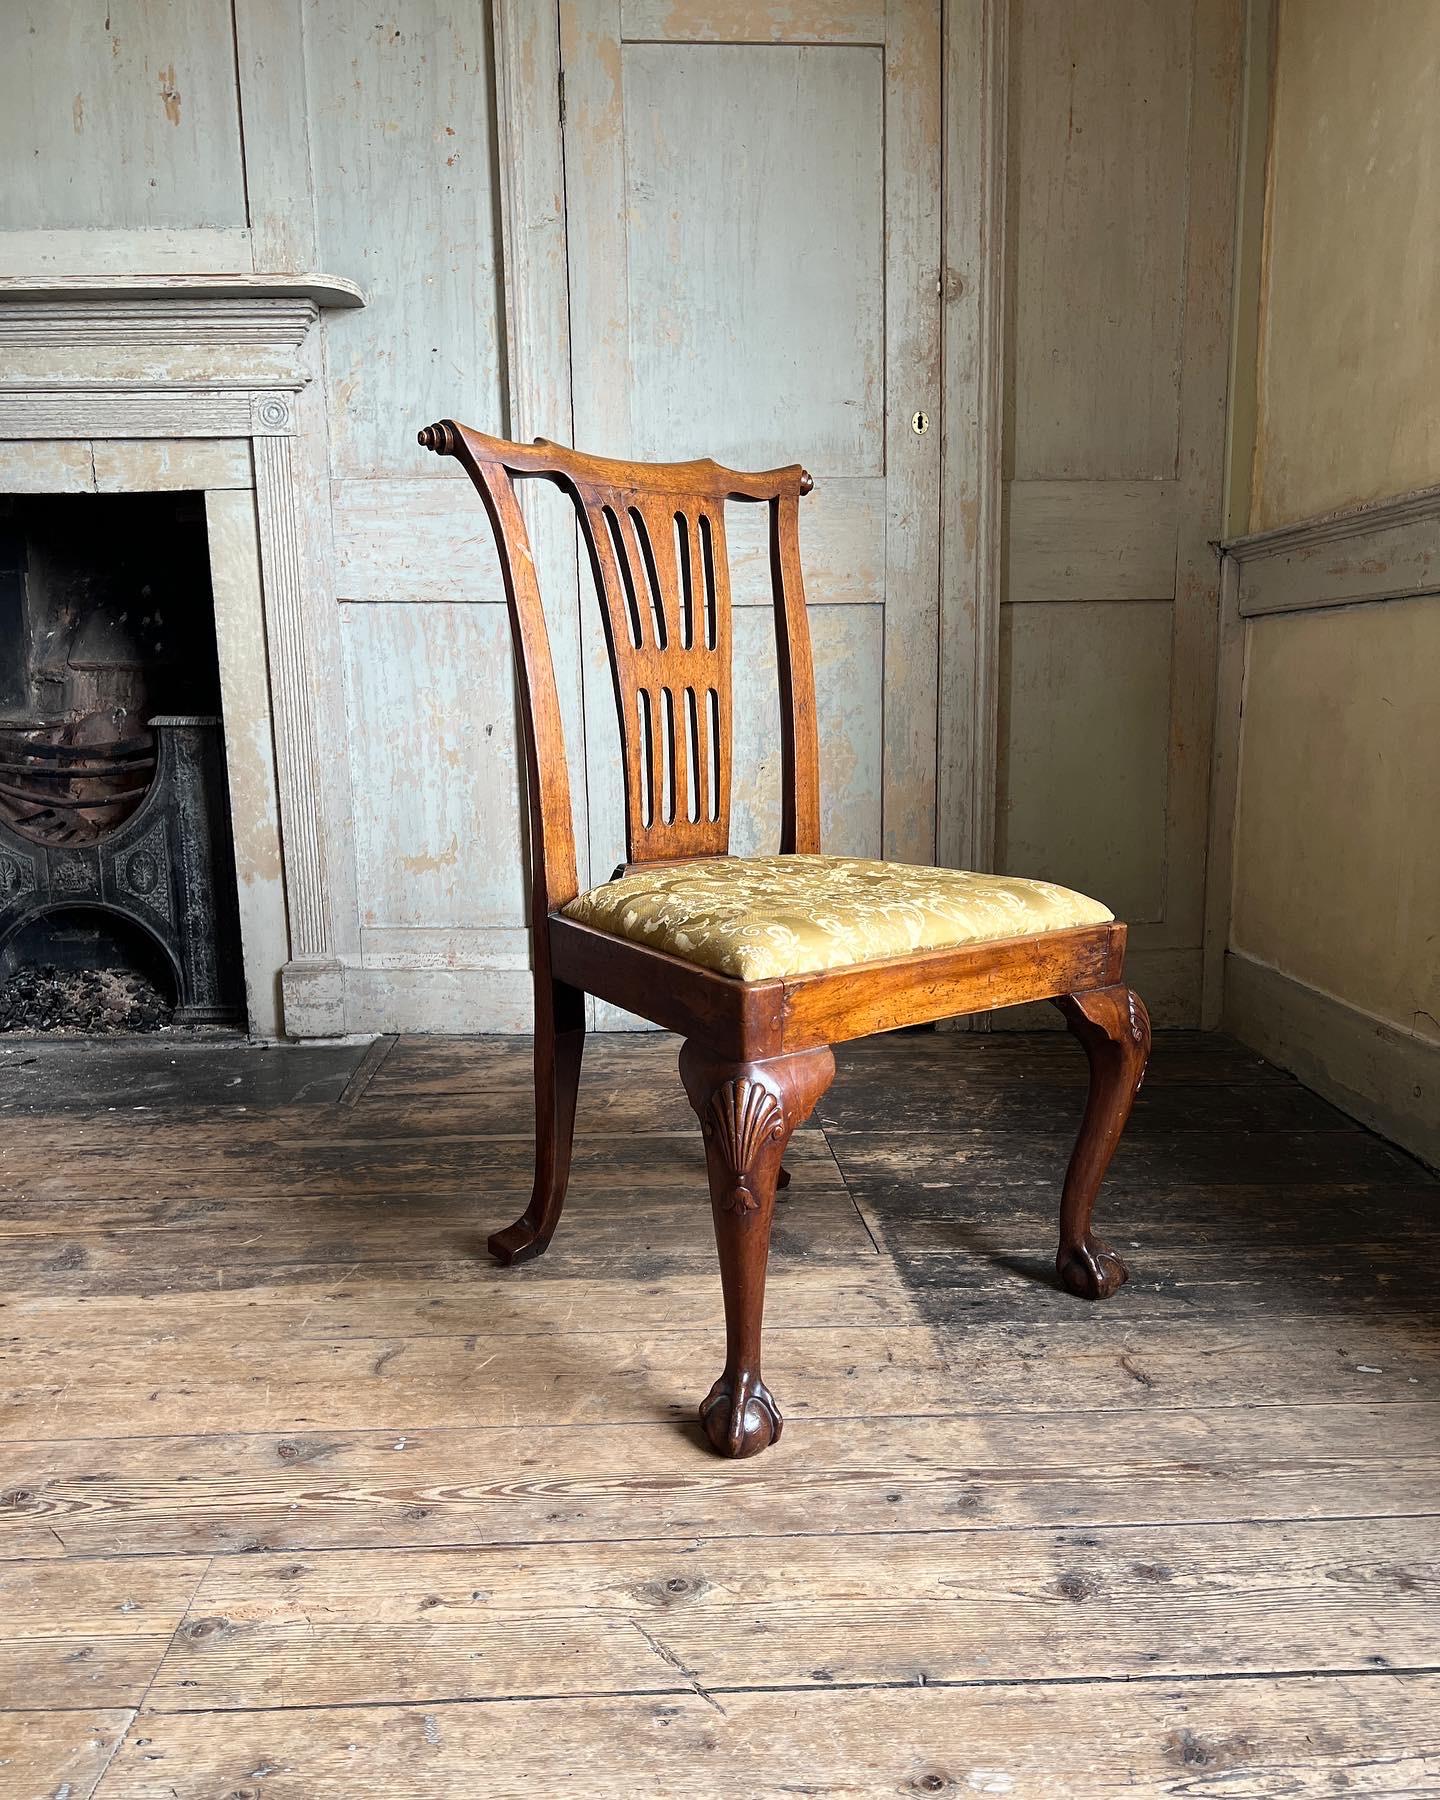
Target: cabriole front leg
(747,1111)
(1114,1028)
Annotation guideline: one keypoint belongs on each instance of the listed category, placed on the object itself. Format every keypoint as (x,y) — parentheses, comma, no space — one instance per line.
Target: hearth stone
(167,869)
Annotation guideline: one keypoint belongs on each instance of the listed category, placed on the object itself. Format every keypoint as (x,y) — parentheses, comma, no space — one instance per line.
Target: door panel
(1120,175)
(788,240)
(752,209)
(1085,731)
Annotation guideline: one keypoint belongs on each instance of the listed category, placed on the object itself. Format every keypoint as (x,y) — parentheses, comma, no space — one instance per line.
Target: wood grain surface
(300,1497)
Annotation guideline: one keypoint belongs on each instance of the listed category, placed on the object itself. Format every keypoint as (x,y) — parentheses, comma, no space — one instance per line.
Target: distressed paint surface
(755,211)
(1091,540)
(249,743)
(433,765)
(56,467)
(122,116)
(1350,306)
(754,274)
(1098,165)
(847,645)
(418,539)
(1084,734)
(842,546)
(754,21)
(1337,862)
(159,464)
(1121,184)
(400,120)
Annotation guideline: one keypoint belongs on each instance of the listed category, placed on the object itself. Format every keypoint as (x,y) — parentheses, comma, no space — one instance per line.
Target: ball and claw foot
(1091,1269)
(743,1422)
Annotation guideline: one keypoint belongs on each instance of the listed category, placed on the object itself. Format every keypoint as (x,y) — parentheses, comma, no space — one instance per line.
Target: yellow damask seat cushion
(758,917)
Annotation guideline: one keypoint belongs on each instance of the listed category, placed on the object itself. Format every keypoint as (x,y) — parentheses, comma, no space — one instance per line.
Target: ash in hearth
(88,1002)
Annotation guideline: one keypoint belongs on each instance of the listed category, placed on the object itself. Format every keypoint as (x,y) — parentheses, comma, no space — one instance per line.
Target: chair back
(656,537)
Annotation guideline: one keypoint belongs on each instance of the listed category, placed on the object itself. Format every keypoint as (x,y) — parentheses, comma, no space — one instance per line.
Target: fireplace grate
(65,793)
(166,868)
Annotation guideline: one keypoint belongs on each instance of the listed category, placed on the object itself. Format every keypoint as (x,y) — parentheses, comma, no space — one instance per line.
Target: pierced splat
(662,571)
(656,537)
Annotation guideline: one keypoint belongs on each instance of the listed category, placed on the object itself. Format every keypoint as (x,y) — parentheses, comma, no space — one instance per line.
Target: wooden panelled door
(752,197)
(1121,180)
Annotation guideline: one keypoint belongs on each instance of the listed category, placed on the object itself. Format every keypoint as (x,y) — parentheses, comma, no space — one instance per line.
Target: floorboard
(301,1497)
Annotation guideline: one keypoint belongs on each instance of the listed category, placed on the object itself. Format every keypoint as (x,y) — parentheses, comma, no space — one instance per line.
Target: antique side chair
(760,963)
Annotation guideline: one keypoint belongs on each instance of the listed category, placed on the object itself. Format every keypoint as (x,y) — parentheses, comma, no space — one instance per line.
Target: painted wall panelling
(124,117)
(1330,964)
(1120,184)
(155,137)
(432,725)
(1336,846)
(1325,882)
(973,320)
(400,104)
(788,312)
(1354,187)
(403,105)
(1240,418)
(1257,78)
(1091,690)
(368,143)
(337,110)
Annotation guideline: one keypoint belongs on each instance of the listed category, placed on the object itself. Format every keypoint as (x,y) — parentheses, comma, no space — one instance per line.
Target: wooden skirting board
(1386,1077)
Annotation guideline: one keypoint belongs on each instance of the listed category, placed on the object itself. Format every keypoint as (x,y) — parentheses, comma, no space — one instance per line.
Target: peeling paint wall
(1350,315)
(401,128)
(375,127)
(1120,177)
(1338,826)
(124,150)
(119,116)
(1334,937)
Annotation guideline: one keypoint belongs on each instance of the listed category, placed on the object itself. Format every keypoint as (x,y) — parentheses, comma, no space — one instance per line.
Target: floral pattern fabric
(758,917)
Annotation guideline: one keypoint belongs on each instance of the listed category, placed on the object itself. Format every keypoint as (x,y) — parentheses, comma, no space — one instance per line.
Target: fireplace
(117,886)
(203,393)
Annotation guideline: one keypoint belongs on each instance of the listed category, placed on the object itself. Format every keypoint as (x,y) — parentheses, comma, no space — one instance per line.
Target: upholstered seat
(758,917)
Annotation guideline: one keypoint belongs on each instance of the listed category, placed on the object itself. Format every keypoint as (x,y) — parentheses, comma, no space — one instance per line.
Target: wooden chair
(667,938)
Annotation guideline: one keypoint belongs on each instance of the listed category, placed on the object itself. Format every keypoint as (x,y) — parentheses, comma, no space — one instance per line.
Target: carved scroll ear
(439,437)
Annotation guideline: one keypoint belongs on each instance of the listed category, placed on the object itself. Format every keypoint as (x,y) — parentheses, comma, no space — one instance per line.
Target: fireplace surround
(208,384)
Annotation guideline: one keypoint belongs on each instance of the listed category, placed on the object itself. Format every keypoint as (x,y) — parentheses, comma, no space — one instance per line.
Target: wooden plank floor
(300,1498)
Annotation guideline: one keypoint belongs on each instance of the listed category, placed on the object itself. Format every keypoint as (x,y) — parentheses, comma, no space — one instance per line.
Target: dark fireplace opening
(117,887)
(85,970)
